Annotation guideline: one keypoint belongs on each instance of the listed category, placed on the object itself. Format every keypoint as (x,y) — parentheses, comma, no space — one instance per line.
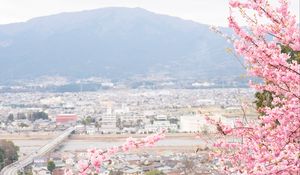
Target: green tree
(119,123)
(263,99)
(51,166)
(295,55)
(21,116)
(38,115)
(10,118)
(8,153)
(154,172)
(139,123)
(97,125)
(116,172)
(25,172)
(2,156)
(87,120)
(23,125)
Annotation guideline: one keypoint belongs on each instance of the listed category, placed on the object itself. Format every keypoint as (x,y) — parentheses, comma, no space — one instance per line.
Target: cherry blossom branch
(98,156)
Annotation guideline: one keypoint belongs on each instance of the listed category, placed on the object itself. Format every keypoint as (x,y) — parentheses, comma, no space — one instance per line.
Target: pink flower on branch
(272,144)
(96,157)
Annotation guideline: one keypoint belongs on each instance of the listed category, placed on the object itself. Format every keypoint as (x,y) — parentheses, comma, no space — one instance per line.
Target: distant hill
(113,43)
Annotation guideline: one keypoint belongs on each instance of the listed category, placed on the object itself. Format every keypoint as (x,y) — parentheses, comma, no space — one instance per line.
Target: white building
(191,123)
(131,116)
(109,124)
(40,171)
(206,102)
(109,121)
(91,130)
(195,123)
(157,125)
(161,124)
(161,117)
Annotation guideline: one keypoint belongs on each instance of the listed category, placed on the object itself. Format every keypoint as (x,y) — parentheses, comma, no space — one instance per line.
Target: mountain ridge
(112,42)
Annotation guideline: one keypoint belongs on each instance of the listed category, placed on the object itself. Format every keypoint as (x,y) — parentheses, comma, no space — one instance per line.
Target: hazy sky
(204,11)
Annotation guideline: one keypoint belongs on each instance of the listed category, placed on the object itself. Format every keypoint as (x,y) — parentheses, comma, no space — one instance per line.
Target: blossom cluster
(271,145)
(96,157)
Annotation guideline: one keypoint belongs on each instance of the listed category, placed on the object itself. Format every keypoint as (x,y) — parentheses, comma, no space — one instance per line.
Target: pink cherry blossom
(272,144)
(96,157)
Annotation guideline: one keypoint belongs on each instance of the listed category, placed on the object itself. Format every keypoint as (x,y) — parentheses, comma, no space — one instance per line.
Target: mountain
(115,43)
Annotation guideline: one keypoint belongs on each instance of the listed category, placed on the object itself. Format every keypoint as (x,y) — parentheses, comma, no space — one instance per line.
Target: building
(161,117)
(206,102)
(39,166)
(90,129)
(58,171)
(191,123)
(162,123)
(40,171)
(197,123)
(109,124)
(62,119)
(158,125)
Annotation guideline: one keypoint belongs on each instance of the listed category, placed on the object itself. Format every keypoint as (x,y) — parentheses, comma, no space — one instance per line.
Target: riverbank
(174,142)
(124,136)
(49,136)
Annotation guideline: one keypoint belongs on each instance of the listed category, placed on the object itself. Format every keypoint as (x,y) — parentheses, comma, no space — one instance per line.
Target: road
(13,168)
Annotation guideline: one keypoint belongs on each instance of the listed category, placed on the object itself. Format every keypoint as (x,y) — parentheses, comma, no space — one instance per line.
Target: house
(40,162)
(58,171)
(59,163)
(63,119)
(40,171)
(91,130)
(132,170)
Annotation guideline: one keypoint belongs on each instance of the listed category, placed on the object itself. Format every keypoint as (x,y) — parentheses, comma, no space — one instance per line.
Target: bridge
(13,168)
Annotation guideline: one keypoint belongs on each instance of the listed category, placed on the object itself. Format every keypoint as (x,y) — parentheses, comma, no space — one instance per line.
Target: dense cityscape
(149,87)
(108,117)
